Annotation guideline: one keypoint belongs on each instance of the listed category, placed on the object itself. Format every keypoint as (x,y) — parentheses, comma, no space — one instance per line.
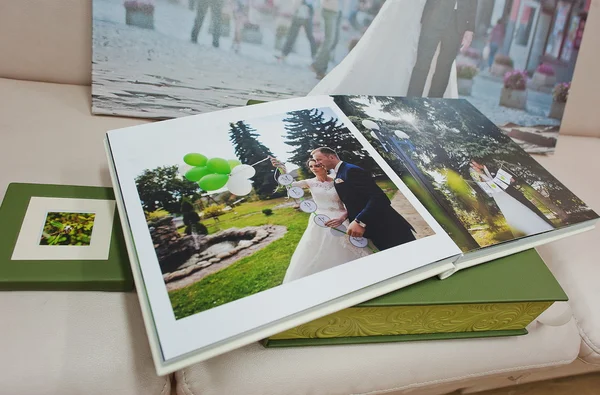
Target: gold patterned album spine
(411,320)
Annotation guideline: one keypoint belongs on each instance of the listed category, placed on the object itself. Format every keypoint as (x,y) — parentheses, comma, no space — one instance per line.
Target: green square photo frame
(33,254)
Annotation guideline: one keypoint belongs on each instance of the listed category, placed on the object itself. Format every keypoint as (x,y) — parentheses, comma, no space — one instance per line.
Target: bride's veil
(381,63)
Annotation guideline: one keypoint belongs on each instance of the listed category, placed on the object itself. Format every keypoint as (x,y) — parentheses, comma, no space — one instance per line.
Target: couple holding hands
(354,202)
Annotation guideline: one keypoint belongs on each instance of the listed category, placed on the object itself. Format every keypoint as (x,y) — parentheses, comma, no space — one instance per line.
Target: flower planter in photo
(470,56)
(251,34)
(467,60)
(139,14)
(560,95)
(540,79)
(465,73)
(513,98)
(499,70)
(557,109)
(465,86)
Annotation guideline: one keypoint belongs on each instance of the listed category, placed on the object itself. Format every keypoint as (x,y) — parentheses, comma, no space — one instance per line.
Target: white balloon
(184,169)
(243,171)
(370,124)
(374,135)
(239,186)
(401,135)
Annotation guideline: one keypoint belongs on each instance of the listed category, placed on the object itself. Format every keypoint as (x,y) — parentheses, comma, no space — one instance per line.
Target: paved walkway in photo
(401,204)
(486,97)
(161,74)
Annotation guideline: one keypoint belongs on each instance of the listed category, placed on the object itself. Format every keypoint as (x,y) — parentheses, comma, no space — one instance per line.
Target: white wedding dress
(382,62)
(520,218)
(322,248)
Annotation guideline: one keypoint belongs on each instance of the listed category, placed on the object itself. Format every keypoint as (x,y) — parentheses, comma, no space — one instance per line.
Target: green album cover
(300,342)
(499,298)
(62,237)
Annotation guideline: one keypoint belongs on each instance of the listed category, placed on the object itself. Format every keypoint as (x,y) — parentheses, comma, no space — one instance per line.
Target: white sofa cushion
(73,343)
(575,261)
(376,368)
(65,342)
(46,40)
(42,121)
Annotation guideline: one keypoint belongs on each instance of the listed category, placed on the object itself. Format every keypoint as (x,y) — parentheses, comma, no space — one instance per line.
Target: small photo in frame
(70,229)
(62,237)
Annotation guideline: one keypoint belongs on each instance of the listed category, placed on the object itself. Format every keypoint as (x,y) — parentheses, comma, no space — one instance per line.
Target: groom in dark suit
(449,23)
(369,210)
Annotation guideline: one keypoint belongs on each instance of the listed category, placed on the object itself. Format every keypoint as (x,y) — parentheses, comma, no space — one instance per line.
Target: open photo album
(247,222)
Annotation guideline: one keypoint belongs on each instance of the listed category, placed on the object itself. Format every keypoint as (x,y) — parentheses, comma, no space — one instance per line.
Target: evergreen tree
(310,129)
(191,219)
(249,151)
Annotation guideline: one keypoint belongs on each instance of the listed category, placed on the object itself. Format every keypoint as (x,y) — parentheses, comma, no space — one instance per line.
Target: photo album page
(242,223)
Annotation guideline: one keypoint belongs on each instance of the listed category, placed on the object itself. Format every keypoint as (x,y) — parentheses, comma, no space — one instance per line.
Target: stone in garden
(245,244)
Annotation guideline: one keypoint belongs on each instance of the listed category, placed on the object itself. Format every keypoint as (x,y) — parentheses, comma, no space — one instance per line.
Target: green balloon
(233,163)
(194,159)
(212,182)
(218,165)
(196,173)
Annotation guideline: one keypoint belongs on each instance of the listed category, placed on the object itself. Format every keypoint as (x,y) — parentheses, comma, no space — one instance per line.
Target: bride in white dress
(382,62)
(321,248)
(520,218)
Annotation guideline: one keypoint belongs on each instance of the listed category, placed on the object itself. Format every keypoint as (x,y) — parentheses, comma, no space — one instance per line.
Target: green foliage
(68,229)
(250,151)
(197,228)
(310,129)
(163,188)
(388,187)
(448,135)
(452,227)
(191,219)
(186,206)
(214,210)
(267,211)
(466,71)
(154,215)
(258,272)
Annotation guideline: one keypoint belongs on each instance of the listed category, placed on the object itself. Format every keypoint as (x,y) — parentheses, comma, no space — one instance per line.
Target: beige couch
(94,343)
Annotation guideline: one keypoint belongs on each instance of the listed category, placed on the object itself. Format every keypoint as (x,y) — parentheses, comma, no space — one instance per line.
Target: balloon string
(287,187)
(341,231)
(260,161)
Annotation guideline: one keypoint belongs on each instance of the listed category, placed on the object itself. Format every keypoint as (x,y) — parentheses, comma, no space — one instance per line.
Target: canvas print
(169,58)
(70,229)
(271,200)
(512,59)
(479,185)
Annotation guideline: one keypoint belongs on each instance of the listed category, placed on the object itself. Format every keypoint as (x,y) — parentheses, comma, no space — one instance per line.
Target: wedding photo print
(478,184)
(278,198)
(513,60)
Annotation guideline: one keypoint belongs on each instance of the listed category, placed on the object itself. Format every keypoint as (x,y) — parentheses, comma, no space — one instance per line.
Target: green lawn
(258,272)
(451,227)
(246,214)
(388,187)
